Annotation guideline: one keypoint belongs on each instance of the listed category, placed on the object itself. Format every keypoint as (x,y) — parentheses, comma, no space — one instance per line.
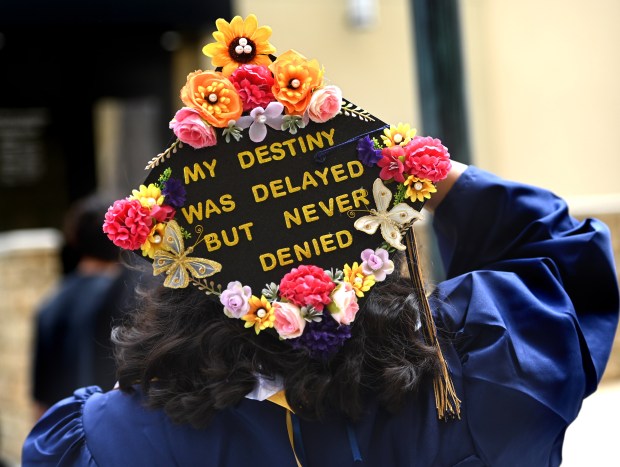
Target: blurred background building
(525,89)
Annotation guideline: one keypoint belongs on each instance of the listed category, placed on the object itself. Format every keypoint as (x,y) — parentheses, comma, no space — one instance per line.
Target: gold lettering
(257,197)
(288,217)
(246,159)
(188,173)
(262,154)
(267,261)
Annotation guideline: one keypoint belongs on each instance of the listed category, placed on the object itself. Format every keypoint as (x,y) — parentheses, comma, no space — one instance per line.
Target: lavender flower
(322,339)
(175,193)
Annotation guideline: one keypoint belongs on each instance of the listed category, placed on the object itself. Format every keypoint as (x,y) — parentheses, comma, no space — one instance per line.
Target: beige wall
(373,67)
(543,89)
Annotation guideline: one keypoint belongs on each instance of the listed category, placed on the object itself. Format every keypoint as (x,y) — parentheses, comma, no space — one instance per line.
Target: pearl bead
(261,119)
(156,239)
(398,138)
(418,186)
(239,49)
(261,313)
(295,83)
(247,49)
(243,41)
(213,98)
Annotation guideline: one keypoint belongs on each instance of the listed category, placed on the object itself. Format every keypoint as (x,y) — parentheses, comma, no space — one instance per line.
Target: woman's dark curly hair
(191,360)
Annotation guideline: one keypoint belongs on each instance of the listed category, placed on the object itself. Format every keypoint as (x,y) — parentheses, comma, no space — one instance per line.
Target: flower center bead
(398,138)
(295,83)
(156,239)
(261,119)
(261,313)
(212,98)
(418,186)
(242,50)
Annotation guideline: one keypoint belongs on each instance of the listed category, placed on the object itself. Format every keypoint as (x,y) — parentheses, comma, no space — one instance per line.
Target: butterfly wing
(382,195)
(201,267)
(176,277)
(368,224)
(173,238)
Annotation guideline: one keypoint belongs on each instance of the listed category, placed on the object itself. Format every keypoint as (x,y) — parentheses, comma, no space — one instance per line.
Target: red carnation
(307,286)
(427,158)
(253,83)
(127,224)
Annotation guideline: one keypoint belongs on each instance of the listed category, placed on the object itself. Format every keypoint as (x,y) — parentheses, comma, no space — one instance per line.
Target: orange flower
(239,42)
(212,95)
(295,77)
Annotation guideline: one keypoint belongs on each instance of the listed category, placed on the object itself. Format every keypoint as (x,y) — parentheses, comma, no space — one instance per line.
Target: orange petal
(229,68)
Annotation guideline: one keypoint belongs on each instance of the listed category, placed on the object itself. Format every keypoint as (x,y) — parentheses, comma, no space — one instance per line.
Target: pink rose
(162,213)
(253,83)
(427,158)
(307,286)
(325,104)
(377,263)
(343,306)
(127,223)
(236,299)
(191,129)
(288,320)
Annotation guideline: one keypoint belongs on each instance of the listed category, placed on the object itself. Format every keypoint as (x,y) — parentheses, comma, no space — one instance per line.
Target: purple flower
(175,193)
(367,153)
(259,118)
(322,339)
(377,263)
(236,299)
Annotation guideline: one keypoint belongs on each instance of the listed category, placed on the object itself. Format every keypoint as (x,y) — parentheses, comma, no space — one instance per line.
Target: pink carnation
(191,129)
(325,104)
(427,158)
(307,286)
(253,83)
(127,224)
(288,320)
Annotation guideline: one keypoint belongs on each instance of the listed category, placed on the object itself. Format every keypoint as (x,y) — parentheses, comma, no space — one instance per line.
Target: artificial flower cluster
(250,90)
(139,221)
(415,162)
(311,308)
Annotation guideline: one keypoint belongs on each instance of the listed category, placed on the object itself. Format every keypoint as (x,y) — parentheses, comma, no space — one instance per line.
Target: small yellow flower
(419,188)
(154,241)
(359,281)
(397,135)
(148,196)
(261,314)
(239,42)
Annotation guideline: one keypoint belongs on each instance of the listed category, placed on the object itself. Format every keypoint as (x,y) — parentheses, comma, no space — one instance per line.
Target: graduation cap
(281,198)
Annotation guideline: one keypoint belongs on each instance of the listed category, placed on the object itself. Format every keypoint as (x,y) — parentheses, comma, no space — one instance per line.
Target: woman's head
(192,360)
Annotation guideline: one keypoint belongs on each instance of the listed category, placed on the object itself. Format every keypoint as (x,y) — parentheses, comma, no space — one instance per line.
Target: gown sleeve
(58,438)
(531,303)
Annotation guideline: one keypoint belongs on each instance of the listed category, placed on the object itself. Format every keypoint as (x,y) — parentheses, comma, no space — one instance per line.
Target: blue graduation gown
(530,303)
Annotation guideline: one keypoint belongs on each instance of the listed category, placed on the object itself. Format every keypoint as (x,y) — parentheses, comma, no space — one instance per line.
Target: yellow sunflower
(398,135)
(148,196)
(359,281)
(238,43)
(418,188)
(261,315)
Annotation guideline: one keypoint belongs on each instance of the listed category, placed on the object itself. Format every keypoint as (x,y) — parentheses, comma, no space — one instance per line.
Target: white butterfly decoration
(173,260)
(392,222)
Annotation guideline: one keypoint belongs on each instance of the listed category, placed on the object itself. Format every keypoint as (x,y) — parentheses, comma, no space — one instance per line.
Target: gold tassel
(447,402)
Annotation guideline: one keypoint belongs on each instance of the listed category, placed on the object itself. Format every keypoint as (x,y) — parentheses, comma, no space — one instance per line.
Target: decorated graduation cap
(280,198)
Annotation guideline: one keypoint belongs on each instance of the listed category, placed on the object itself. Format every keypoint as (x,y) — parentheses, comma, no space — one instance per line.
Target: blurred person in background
(72,343)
